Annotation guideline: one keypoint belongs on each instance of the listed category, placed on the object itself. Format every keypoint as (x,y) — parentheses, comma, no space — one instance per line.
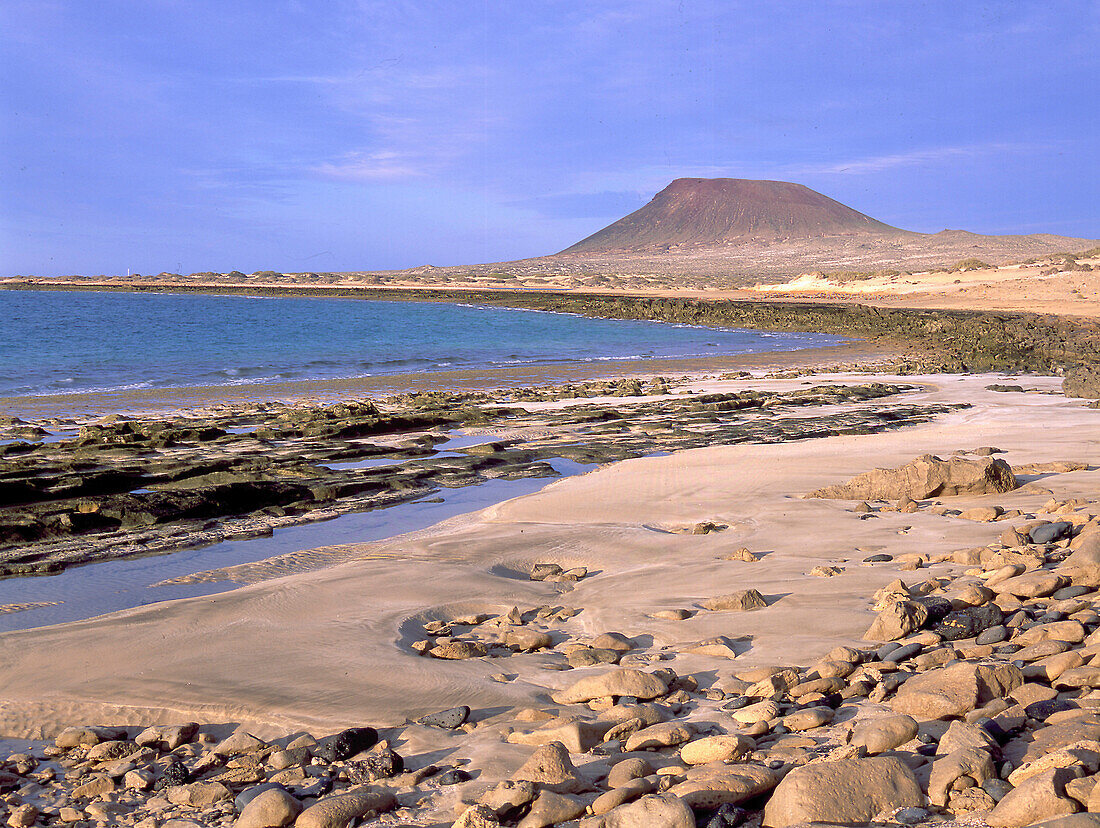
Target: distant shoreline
(948,340)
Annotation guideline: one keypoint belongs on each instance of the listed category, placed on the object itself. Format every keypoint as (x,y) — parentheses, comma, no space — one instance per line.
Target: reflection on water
(87,591)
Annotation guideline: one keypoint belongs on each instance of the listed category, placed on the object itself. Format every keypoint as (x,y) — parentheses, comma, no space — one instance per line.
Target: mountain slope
(717,212)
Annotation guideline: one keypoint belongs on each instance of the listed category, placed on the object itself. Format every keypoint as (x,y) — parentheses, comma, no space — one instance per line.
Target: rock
(982,514)
(1036,799)
(743,599)
(112,749)
(666,734)
(623,682)
(167,737)
(590,657)
(613,641)
(239,743)
(273,808)
(968,622)
(198,794)
(715,749)
(337,810)
(628,769)
(730,784)
(1037,584)
(808,719)
(506,798)
(380,762)
(458,650)
(248,794)
(84,736)
(896,621)
(624,793)
(526,640)
(954,690)
(96,786)
(763,711)
(346,744)
(542,571)
(447,719)
(1071,821)
(927,476)
(656,811)
(477,816)
(960,736)
(137,780)
(551,808)
(1082,380)
(844,791)
(550,768)
(883,734)
(23,816)
(1049,532)
(577,736)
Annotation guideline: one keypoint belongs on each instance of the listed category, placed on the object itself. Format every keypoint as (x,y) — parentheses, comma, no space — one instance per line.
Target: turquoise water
(56,342)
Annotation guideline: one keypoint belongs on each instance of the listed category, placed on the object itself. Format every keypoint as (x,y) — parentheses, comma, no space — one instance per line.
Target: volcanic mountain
(717,212)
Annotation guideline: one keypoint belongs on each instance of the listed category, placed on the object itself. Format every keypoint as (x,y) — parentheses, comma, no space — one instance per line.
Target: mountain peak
(717,212)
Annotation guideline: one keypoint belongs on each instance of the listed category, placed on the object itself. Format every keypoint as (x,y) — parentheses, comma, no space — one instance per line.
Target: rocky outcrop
(927,476)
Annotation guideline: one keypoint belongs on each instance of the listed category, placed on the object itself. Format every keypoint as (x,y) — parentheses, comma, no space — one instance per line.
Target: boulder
(715,749)
(927,476)
(970,764)
(550,768)
(842,791)
(896,621)
(1039,798)
(338,810)
(654,737)
(550,808)
(883,734)
(657,811)
(728,784)
(273,808)
(1082,381)
(743,599)
(955,690)
(616,683)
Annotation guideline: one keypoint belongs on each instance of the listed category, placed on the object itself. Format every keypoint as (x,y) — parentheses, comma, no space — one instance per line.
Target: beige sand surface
(327,648)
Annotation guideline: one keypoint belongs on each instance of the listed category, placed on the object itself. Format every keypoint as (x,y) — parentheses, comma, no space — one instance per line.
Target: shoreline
(949,339)
(145,401)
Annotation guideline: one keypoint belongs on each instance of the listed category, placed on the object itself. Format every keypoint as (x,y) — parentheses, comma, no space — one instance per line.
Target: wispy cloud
(911,158)
(371,166)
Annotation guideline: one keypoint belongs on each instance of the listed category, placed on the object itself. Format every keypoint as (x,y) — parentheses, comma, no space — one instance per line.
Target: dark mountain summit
(715,212)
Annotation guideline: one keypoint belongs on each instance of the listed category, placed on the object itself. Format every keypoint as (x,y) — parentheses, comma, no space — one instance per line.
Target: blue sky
(261,134)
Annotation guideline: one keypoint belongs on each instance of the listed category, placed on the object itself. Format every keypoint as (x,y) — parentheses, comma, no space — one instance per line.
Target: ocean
(68,342)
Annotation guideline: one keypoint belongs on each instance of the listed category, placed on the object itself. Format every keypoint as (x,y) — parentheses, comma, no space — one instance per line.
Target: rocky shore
(974,698)
(76,491)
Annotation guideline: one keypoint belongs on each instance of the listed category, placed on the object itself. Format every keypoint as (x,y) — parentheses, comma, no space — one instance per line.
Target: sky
(329,135)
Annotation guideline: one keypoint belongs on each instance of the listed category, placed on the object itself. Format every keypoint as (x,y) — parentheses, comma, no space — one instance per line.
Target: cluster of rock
(129,486)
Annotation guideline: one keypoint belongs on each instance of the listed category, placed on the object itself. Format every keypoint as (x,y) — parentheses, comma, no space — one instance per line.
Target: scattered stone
(745,599)
(927,476)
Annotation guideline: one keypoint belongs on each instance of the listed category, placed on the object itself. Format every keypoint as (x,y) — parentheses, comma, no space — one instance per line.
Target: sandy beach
(332,645)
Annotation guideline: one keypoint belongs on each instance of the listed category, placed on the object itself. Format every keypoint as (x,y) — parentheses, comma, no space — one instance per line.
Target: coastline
(335,637)
(135,401)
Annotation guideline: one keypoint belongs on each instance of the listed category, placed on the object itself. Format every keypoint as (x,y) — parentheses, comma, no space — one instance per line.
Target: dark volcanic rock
(345,744)
(968,622)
